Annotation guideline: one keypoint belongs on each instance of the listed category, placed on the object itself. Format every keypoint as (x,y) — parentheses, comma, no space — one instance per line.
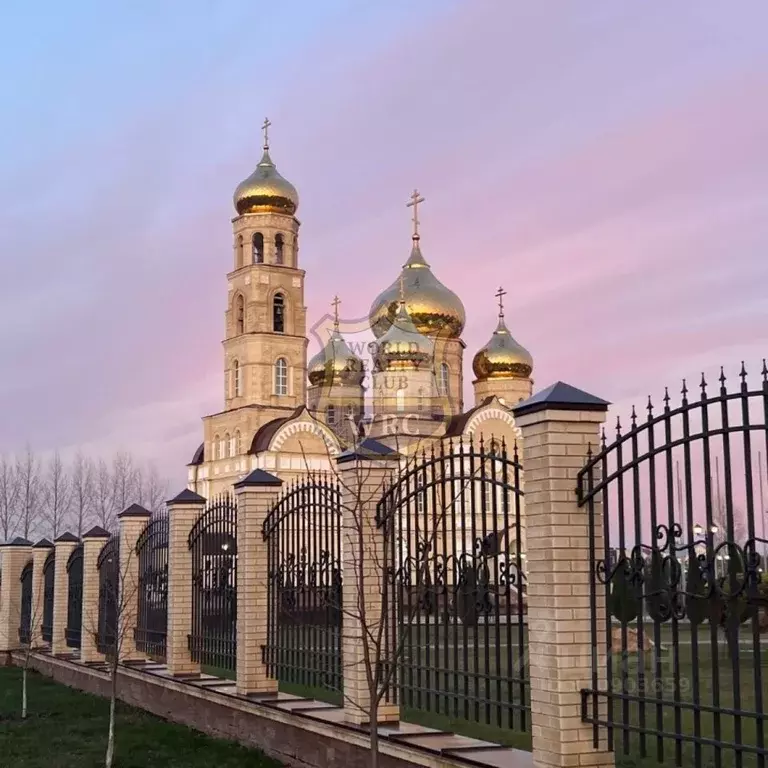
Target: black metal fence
(678,590)
(213,542)
(303,535)
(152,618)
(453,534)
(49,575)
(25,613)
(74,598)
(108,565)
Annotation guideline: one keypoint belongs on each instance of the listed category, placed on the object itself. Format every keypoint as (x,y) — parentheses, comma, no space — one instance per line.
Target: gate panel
(679,599)
(49,572)
(74,598)
(108,565)
(152,619)
(452,523)
(213,542)
(25,618)
(303,535)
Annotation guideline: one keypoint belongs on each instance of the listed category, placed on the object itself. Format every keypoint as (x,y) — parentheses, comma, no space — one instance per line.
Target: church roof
(266,432)
(199,456)
(458,423)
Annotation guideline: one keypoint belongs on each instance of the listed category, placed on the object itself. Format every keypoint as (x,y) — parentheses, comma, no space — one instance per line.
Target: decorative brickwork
(132,523)
(64,548)
(15,557)
(39,555)
(92,546)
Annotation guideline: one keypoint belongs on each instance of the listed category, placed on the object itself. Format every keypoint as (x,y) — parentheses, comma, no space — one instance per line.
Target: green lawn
(68,729)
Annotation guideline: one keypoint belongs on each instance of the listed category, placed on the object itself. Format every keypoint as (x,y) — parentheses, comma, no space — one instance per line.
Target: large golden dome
(403,347)
(265,190)
(434,309)
(335,363)
(502,357)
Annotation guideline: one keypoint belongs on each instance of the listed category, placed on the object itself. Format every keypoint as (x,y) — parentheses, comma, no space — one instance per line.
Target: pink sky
(605,162)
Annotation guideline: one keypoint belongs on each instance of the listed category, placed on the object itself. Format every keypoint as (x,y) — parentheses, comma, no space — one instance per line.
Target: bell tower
(265,346)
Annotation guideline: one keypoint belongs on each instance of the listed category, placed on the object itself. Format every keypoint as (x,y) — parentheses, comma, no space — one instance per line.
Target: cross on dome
(416,199)
(500,294)
(265,129)
(335,304)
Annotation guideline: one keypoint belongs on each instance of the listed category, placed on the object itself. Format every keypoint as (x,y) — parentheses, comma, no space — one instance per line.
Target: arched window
(278,249)
(218,446)
(236,444)
(445,379)
(278,313)
(281,376)
(400,399)
(237,379)
(240,252)
(227,445)
(258,248)
(330,415)
(239,314)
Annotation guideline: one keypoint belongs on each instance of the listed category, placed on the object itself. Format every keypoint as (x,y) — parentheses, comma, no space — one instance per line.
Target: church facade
(288,415)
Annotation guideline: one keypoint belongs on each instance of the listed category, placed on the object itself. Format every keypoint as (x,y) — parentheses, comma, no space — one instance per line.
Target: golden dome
(433,308)
(265,190)
(335,363)
(402,347)
(502,357)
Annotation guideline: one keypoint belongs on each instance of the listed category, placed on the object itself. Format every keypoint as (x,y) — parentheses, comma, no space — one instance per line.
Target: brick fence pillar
(64,546)
(256,495)
(132,523)
(93,543)
(558,425)
(40,553)
(364,566)
(16,555)
(183,512)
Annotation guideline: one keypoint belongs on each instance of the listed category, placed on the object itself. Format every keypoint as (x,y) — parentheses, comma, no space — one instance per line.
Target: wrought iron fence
(25,612)
(49,575)
(303,535)
(108,565)
(454,536)
(152,618)
(213,542)
(74,626)
(679,598)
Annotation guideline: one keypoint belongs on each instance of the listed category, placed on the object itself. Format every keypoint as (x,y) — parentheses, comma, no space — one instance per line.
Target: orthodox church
(289,416)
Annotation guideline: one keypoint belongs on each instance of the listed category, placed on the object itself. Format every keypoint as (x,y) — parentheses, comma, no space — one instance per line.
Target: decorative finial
(500,294)
(416,198)
(265,128)
(335,304)
(402,290)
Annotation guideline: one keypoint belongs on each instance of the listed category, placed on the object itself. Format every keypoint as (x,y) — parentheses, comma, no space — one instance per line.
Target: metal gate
(49,575)
(108,565)
(213,542)
(678,594)
(73,629)
(452,527)
(152,618)
(303,535)
(25,617)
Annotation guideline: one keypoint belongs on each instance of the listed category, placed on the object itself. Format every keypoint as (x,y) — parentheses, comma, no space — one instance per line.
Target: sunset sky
(605,161)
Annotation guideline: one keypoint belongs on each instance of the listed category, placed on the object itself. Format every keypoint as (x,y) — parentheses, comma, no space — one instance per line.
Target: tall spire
(265,130)
(500,294)
(416,198)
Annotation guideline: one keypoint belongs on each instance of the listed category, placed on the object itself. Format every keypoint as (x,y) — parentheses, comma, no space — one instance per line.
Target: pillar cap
(368,450)
(563,397)
(187,497)
(258,477)
(97,532)
(43,544)
(68,537)
(18,542)
(135,510)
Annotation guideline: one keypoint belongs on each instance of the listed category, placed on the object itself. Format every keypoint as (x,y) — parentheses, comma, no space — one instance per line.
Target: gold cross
(500,294)
(335,304)
(416,198)
(265,128)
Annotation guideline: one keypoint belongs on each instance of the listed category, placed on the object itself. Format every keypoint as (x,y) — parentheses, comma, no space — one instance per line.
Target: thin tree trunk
(374,718)
(24,687)
(112,699)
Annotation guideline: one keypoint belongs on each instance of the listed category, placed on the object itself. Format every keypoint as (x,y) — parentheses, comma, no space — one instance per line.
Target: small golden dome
(335,363)
(502,357)
(403,347)
(434,309)
(265,190)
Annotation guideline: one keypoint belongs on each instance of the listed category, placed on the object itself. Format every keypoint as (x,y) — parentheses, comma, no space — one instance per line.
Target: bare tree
(152,489)
(124,475)
(28,474)
(82,486)
(56,495)
(9,494)
(103,500)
